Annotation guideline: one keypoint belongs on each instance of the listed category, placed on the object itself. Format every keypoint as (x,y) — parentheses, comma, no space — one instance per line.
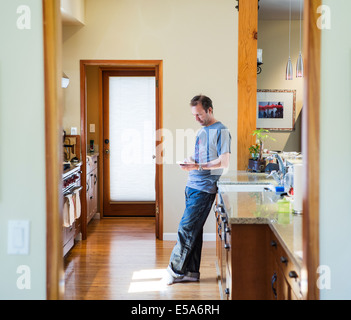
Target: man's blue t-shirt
(211,142)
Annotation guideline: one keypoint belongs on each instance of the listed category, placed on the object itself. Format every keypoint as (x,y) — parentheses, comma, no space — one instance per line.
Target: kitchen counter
(244,177)
(261,208)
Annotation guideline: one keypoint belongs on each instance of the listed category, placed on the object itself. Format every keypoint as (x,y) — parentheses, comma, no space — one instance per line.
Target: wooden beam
(247,79)
(53,148)
(310,149)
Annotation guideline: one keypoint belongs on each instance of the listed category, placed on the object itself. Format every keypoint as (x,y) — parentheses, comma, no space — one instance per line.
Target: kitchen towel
(66,220)
(71,208)
(68,211)
(298,188)
(77,207)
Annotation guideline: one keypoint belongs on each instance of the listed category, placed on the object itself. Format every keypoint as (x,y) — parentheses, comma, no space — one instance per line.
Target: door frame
(52,42)
(111,64)
(310,148)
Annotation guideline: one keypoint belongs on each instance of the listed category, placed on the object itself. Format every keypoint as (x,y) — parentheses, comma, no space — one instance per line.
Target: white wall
(273,39)
(22,153)
(335,151)
(197,41)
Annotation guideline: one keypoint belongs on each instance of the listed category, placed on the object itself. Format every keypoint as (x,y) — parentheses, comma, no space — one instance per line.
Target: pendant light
(299,64)
(289,68)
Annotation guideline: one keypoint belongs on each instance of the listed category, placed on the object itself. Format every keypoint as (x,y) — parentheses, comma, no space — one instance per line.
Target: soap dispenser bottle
(289,181)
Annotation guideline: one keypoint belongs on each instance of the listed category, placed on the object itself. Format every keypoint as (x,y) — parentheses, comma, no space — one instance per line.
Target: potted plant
(255,151)
(256,162)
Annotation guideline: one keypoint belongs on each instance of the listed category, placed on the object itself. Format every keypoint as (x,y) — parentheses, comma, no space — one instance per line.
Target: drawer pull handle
(273,244)
(293,274)
(283,260)
(273,281)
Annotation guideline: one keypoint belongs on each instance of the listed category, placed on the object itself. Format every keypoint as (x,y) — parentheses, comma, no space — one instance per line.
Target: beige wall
(273,38)
(93,105)
(197,41)
(22,155)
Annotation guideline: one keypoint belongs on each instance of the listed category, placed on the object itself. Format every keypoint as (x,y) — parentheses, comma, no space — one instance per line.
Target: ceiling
(279,9)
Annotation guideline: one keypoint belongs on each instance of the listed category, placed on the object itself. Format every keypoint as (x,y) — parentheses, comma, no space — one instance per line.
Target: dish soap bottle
(289,181)
(284,210)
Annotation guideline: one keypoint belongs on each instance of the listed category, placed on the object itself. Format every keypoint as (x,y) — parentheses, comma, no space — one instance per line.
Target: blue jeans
(186,255)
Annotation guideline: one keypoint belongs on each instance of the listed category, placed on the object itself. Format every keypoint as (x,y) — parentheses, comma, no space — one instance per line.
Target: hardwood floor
(122,260)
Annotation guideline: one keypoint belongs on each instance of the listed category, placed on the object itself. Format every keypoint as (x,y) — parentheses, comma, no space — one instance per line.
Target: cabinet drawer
(91,165)
(68,233)
(288,268)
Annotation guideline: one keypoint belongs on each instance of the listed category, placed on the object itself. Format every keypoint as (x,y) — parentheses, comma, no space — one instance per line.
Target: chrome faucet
(278,176)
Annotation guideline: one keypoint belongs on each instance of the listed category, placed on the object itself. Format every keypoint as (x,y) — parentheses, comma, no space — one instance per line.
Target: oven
(71,189)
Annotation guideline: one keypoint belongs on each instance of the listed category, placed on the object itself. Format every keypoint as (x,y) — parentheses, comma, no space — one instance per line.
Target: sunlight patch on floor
(149,274)
(148,283)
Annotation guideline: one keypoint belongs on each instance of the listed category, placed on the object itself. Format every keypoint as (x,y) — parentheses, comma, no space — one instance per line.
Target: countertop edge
(296,261)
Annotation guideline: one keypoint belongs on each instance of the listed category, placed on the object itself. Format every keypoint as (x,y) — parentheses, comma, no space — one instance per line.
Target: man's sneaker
(168,279)
(186,278)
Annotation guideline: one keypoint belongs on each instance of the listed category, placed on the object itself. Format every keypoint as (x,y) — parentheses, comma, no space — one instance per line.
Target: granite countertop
(261,208)
(244,177)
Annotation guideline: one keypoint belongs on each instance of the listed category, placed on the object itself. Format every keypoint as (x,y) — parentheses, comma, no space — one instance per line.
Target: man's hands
(188,165)
(221,162)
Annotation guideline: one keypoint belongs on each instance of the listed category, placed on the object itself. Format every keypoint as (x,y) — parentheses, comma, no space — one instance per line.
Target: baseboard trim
(173,237)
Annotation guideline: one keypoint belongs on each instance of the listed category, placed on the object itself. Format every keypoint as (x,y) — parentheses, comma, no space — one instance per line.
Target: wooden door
(124,196)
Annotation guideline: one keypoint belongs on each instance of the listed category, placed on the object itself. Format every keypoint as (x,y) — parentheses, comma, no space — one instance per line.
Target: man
(212,149)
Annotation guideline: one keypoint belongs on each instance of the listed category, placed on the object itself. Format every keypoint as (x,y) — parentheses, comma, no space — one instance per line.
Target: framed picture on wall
(276,110)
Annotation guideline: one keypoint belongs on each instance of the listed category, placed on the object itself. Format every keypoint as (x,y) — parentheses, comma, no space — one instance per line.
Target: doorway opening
(113,75)
(129,134)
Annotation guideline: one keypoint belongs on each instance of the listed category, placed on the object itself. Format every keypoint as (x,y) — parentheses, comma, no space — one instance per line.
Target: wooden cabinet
(286,274)
(252,263)
(92,187)
(68,234)
(223,251)
(248,265)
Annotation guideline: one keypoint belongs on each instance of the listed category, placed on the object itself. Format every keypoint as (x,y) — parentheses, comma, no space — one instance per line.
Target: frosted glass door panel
(132,138)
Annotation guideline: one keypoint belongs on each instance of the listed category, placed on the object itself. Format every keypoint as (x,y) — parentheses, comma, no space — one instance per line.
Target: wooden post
(53,148)
(310,149)
(247,79)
